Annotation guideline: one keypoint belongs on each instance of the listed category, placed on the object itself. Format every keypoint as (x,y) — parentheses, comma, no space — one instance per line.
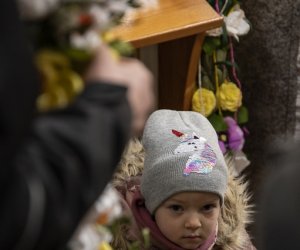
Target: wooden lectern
(178,28)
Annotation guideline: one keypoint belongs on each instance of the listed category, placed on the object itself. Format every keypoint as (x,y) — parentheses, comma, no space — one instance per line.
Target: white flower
(117,6)
(215,32)
(236,23)
(90,237)
(100,15)
(36,9)
(90,40)
(91,232)
(109,202)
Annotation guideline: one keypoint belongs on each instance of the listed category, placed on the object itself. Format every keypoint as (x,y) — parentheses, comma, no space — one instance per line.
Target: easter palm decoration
(219,95)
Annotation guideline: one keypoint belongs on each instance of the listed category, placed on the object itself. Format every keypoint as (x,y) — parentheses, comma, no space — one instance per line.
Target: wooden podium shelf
(178,28)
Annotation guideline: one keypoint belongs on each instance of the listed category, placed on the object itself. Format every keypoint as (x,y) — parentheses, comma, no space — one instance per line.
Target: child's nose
(193,222)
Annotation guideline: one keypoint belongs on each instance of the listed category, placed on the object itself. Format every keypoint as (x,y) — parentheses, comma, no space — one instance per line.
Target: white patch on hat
(190,142)
(204,158)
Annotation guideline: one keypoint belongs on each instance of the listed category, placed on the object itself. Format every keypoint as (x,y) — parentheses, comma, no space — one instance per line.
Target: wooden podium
(178,28)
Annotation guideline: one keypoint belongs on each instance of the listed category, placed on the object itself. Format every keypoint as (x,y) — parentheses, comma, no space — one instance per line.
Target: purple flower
(235,135)
(222,146)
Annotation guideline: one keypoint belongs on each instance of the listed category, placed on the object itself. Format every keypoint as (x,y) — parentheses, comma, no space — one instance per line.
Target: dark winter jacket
(52,166)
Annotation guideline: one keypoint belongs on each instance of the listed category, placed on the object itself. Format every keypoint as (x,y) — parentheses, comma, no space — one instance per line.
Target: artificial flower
(222,146)
(109,204)
(204,101)
(94,234)
(61,83)
(90,40)
(100,16)
(236,23)
(235,135)
(69,31)
(241,162)
(89,238)
(215,32)
(104,246)
(217,70)
(229,96)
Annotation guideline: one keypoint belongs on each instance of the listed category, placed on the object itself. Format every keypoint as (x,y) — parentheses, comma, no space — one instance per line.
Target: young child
(180,198)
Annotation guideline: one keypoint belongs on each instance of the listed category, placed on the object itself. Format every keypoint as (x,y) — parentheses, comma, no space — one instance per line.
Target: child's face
(188,218)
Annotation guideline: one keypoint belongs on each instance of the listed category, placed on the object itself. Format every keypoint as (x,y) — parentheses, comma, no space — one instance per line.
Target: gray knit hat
(181,154)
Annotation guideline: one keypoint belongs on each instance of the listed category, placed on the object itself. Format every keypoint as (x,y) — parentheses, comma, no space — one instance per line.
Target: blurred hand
(130,73)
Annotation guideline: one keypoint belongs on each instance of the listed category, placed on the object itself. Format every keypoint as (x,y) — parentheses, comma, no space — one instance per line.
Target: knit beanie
(181,154)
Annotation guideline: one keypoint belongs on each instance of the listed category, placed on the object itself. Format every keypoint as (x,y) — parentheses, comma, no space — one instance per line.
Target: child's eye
(208,208)
(176,208)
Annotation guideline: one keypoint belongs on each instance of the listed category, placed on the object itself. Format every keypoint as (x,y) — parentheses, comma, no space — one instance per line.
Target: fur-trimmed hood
(236,211)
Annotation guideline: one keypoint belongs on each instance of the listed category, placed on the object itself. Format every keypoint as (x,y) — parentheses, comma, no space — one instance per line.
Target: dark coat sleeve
(54,166)
(62,168)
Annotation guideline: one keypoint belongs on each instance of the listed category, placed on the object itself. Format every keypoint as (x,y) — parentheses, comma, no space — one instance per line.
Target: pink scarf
(144,220)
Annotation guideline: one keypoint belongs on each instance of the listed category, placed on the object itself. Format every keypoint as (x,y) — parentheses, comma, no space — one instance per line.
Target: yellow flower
(204,101)
(60,83)
(104,246)
(229,96)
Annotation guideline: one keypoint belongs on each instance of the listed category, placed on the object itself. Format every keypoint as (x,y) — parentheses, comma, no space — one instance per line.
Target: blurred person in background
(54,165)
(278,219)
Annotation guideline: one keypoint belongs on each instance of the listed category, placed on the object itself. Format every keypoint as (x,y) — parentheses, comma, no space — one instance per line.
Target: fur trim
(131,163)
(236,211)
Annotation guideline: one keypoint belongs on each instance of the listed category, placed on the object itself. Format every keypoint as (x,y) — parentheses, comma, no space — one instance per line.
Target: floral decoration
(234,136)
(236,22)
(64,35)
(218,80)
(204,101)
(229,96)
(94,233)
(103,223)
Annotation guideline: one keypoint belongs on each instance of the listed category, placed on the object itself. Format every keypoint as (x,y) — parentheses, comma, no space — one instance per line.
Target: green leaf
(77,54)
(224,36)
(80,59)
(229,5)
(211,44)
(221,55)
(146,237)
(217,122)
(134,245)
(123,48)
(220,75)
(243,115)
(211,2)
(207,83)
